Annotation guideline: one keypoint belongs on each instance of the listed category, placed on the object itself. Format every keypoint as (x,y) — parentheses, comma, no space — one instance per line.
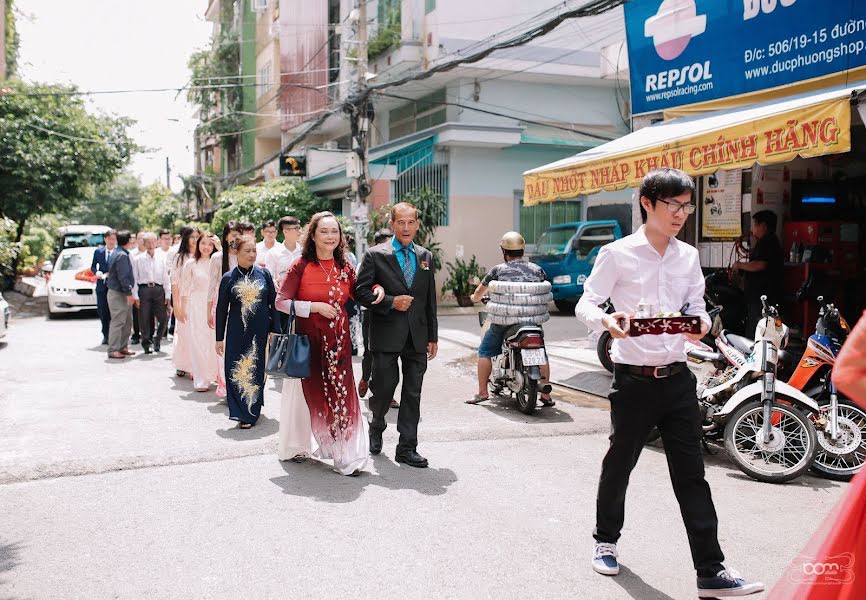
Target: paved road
(172,502)
(560,328)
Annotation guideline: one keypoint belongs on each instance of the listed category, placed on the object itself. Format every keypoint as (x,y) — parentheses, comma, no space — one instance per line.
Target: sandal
(299,458)
(476,399)
(245,425)
(180,373)
(545,391)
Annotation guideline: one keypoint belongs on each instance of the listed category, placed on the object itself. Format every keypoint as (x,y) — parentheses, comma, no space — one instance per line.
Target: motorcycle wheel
(844,458)
(527,397)
(603,348)
(790,452)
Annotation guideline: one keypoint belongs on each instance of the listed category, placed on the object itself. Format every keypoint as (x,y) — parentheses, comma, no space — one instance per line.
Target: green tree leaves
(53,151)
(270,200)
(159,209)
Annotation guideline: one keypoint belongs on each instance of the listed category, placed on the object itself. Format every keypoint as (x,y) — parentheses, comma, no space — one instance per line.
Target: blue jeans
(491,344)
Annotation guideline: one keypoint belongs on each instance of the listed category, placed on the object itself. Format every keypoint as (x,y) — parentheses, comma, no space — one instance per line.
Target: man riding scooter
(514,269)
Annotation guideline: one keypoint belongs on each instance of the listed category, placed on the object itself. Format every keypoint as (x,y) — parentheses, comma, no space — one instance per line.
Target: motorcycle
(762,421)
(518,366)
(841,425)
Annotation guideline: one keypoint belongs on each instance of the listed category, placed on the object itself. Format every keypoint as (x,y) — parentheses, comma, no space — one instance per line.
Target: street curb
(556,356)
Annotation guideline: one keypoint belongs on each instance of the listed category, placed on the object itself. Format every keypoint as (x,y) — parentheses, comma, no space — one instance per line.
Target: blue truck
(567,252)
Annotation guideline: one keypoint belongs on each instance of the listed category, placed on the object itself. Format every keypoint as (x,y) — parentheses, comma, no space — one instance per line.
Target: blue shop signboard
(688,51)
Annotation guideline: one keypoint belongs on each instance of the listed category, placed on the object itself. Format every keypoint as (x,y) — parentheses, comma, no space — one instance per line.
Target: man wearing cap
(515,268)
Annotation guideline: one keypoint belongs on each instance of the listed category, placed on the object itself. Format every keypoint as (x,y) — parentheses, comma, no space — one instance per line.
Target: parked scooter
(763,421)
(841,424)
(518,367)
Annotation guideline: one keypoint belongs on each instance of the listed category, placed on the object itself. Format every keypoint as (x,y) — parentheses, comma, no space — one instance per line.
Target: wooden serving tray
(660,325)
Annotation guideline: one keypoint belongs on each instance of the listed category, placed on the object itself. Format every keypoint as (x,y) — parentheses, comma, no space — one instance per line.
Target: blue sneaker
(604,559)
(725,584)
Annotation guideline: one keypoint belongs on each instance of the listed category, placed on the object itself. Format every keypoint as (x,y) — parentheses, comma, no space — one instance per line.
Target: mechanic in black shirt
(763,272)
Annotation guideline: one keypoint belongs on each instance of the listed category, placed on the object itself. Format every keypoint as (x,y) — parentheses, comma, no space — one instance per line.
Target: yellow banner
(816,130)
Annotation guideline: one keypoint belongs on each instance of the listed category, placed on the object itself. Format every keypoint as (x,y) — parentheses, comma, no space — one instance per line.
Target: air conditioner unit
(260,6)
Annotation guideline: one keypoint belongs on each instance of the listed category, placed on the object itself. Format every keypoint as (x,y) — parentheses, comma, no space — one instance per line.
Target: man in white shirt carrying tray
(652,386)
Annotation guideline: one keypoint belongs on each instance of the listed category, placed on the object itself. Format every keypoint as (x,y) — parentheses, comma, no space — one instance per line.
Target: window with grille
(533,220)
(420,166)
(418,115)
(265,80)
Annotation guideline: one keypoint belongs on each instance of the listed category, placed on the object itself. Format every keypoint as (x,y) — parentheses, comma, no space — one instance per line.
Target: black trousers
(386,374)
(637,404)
(152,307)
(102,310)
(136,326)
(367,360)
(171,321)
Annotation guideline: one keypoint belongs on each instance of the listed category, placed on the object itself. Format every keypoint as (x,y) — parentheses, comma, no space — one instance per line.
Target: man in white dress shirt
(282,256)
(152,293)
(652,386)
(268,243)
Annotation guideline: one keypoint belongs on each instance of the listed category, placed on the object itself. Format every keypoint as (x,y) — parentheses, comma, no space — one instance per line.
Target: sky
(122,44)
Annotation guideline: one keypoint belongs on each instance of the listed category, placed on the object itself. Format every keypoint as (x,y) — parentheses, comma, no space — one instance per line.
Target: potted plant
(461,274)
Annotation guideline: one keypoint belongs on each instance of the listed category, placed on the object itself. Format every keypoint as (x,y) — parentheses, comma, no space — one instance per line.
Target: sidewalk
(574,363)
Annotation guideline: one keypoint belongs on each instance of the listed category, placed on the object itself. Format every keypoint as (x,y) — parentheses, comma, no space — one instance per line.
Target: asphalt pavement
(117,480)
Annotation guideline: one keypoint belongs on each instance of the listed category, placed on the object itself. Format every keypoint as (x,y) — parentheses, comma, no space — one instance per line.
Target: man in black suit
(403,326)
(99,267)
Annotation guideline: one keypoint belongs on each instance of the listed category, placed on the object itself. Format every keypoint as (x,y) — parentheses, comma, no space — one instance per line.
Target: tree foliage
(271,200)
(113,204)
(159,209)
(53,150)
(217,89)
(11,50)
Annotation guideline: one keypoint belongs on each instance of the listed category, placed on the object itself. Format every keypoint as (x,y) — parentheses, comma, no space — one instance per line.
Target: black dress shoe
(411,458)
(104,341)
(135,339)
(375,442)
(147,349)
(156,346)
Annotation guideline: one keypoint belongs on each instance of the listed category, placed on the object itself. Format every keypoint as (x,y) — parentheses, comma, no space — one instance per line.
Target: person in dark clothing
(763,272)
(120,282)
(380,237)
(99,267)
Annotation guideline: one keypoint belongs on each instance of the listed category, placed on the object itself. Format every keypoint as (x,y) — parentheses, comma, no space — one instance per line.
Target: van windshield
(554,242)
(83,240)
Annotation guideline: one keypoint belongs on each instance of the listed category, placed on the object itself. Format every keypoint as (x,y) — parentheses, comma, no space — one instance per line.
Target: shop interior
(820,204)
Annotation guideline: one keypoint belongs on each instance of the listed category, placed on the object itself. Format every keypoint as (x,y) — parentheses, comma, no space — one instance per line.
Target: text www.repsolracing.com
(694,88)
(828,55)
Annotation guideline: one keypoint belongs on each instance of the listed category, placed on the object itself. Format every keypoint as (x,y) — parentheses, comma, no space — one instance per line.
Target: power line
(360,97)
(499,114)
(64,135)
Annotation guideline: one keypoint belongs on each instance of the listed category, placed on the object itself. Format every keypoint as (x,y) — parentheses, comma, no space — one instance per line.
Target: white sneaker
(725,584)
(604,559)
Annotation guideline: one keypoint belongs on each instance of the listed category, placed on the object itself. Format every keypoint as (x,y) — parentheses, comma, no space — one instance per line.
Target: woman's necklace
(329,271)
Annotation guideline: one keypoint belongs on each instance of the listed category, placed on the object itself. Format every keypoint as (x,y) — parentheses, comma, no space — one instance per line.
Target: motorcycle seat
(743,344)
(705,355)
(514,330)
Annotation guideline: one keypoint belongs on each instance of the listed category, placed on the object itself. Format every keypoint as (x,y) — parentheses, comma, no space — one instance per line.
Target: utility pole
(167,174)
(360,122)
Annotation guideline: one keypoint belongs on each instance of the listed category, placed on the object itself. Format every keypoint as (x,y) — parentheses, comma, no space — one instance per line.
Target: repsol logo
(752,8)
(676,77)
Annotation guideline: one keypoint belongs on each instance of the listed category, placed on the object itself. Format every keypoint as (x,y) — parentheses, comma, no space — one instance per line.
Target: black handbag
(288,353)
